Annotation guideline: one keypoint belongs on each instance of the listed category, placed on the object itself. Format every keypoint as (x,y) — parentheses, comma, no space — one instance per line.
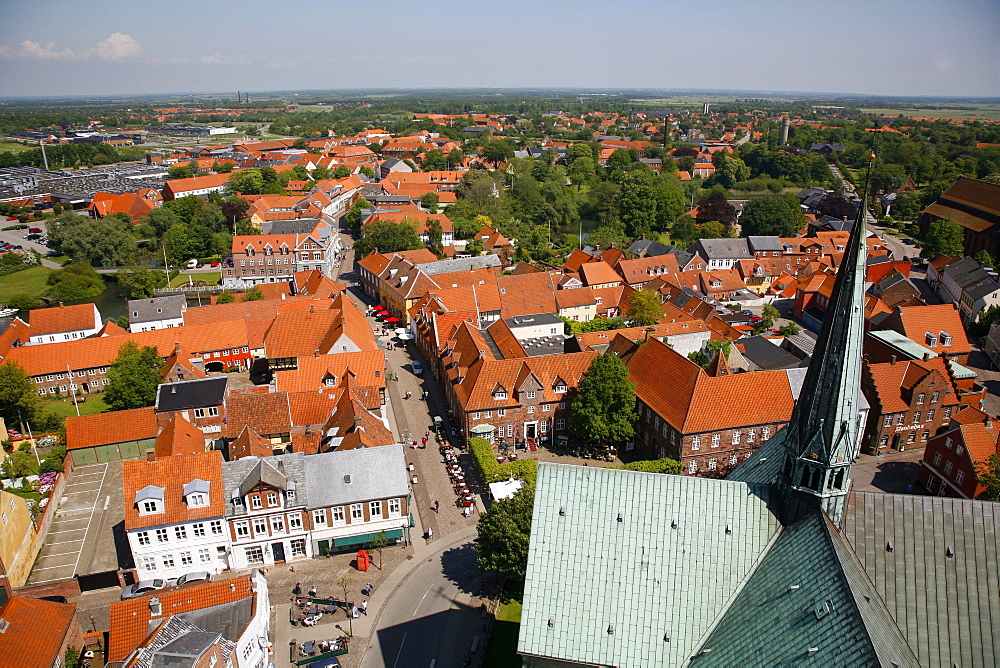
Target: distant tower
(238,98)
(821,441)
(704,108)
(784,131)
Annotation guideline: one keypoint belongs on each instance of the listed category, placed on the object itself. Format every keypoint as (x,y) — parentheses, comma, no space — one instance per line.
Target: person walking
(364,607)
(437,506)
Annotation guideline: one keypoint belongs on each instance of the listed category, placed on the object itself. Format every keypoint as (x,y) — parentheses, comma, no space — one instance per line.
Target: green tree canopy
(771,215)
(133,377)
(353,217)
(135,282)
(604,407)
(503,532)
(387,237)
(944,237)
(158,221)
(246,182)
(496,151)
(226,297)
(105,242)
(75,281)
(18,394)
(666,466)
(989,476)
(644,308)
(254,294)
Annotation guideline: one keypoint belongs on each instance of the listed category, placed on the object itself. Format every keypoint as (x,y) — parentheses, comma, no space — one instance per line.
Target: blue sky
(888,47)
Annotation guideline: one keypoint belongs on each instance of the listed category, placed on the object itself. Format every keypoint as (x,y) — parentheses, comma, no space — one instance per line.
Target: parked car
(142,587)
(746,313)
(417,367)
(215,264)
(192,263)
(197,576)
(35,230)
(755,318)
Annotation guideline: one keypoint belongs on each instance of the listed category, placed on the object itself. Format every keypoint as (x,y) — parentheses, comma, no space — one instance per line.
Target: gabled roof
(172,474)
(916,321)
(63,319)
(266,413)
(356,475)
(186,394)
(87,431)
(599,273)
(179,437)
(34,632)
(158,308)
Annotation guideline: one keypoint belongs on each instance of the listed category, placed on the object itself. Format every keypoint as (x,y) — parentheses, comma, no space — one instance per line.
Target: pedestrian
(430,533)
(313,591)
(297,591)
(364,607)
(423,441)
(370,587)
(354,612)
(437,506)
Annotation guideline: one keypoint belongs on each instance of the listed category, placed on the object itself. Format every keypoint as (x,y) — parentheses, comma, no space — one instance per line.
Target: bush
(666,465)
(492,471)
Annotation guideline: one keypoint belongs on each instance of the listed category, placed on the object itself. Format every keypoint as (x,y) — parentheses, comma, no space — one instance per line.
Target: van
(192,264)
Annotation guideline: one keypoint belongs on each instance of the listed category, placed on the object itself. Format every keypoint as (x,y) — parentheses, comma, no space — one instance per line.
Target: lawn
(32,282)
(58,259)
(501,651)
(14,147)
(64,408)
(210,278)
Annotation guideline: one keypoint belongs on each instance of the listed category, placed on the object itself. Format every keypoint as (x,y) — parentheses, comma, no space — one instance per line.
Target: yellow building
(18,541)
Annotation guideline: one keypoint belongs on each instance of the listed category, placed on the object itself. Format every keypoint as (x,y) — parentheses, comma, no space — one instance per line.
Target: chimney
(155,610)
(151,456)
(927,356)
(61,305)
(892,360)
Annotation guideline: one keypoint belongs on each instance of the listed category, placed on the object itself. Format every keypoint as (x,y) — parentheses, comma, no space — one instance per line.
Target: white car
(144,587)
(197,576)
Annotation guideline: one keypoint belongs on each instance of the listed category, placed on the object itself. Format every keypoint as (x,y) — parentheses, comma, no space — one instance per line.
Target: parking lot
(16,238)
(81,537)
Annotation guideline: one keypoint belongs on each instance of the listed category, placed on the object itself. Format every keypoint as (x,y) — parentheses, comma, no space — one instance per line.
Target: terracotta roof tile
(265,413)
(888,381)
(87,431)
(918,320)
(63,319)
(368,368)
(179,437)
(172,473)
(599,273)
(130,619)
(35,633)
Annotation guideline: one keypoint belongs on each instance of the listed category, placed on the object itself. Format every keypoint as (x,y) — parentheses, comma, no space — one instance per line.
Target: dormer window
(932,340)
(255,502)
(560,388)
(945,338)
(329,381)
(149,500)
(500,394)
(272,499)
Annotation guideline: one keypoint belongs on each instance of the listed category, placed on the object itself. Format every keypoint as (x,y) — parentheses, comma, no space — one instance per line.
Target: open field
(983,112)
(31,282)
(210,278)
(14,147)
(64,408)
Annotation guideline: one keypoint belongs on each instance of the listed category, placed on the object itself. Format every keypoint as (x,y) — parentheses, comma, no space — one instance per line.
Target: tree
(604,407)
(791,329)
(105,242)
(226,297)
(770,215)
(341,172)
(247,182)
(984,259)
(387,237)
(353,217)
(133,377)
(834,205)
(713,229)
(496,151)
(158,221)
(887,178)
(430,201)
(135,282)
(503,532)
(716,207)
(434,238)
(944,237)
(180,244)
(180,171)
(75,281)
(474,247)
(379,543)
(210,216)
(253,295)
(768,315)
(644,308)
(18,394)
(665,466)
(988,473)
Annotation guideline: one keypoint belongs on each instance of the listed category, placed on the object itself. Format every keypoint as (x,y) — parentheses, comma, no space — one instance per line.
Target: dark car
(746,313)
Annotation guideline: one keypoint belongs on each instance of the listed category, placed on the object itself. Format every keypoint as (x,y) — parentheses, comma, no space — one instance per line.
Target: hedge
(492,471)
(665,465)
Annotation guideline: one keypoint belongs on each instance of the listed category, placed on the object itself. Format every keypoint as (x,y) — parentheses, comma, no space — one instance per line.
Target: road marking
(421,601)
(60,554)
(78,510)
(400,651)
(49,568)
(80,553)
(64,542)
(107,500)
(68,530)
(38,582)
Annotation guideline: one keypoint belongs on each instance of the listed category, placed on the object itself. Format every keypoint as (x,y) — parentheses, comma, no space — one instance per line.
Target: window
(560,424)
(142,537)
(394,507)
(937,458)
(357,512)
(947,412)
(925,435)
(531,409)
(319,518)
(475,416)
(732,459)
(204,556)
(375,510)
(562,405)
(948,466)
(338,514)
(199,412)
(935,396)
(931,482)
(912,437)
(216,527)
(959,450)
(277,524)
(901,418)
(921,397)
(255,555)
(242,529)
(916,417)
(272,499)
(487,414)
(736,437)
(765,433)
(161,536)
(712,464)
(715,440)
(181,532)
(260,527)
(959,477)
(751,435)
(501,412)
(696,442)
(530,394)
(546,408)
(559,389)
(149,506)
(197,499)
(186,559)
(255,502)
(930,414)
(693,466)
(298,547)
(888,421)
(295,522)
(168,561)
(198,529)
(148,564)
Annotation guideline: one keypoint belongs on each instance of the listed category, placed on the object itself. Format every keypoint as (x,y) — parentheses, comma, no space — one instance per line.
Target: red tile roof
(599,273)
(87,431)
(265,413)
(63,319)
(918,320)
(892,380)
(179,437)
(368,368)
(172,473)
(36,631)
(129,624)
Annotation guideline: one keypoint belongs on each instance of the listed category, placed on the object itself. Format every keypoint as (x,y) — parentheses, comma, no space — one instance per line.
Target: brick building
(274,258)
(910,401)
(949,465)
(37,633)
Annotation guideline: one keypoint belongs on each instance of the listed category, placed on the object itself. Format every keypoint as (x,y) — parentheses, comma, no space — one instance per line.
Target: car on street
(142,587)
(215,264)
(755,318)
(197,576)
(417,368)
(746,313)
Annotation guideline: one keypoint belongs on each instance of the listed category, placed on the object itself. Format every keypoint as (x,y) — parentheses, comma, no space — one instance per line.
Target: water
(109,303)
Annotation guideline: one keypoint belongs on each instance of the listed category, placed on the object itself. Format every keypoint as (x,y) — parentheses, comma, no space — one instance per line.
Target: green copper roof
(632,569)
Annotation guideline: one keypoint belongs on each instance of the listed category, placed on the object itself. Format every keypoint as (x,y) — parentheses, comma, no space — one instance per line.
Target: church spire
(821,441)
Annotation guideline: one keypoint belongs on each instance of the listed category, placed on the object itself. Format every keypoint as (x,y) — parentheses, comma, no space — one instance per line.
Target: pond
(109,302)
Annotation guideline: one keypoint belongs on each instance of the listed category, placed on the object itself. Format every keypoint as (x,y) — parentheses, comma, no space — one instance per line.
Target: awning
(366,538)
(404,337)
(402,330)
(392,319)
(482,429)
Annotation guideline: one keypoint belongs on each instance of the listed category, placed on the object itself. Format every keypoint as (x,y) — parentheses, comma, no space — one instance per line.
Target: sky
(880,47)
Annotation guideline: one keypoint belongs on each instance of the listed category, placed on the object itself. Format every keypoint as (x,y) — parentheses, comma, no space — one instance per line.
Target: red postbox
(364,560)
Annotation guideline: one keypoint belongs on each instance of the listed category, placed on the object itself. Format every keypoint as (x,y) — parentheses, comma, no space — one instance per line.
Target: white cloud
(116,47)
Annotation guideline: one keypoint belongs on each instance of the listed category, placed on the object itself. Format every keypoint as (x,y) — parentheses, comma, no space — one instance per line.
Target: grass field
(29,281)
(64,408)
(210,278)
(980,112)
(14,147)
(501,651)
